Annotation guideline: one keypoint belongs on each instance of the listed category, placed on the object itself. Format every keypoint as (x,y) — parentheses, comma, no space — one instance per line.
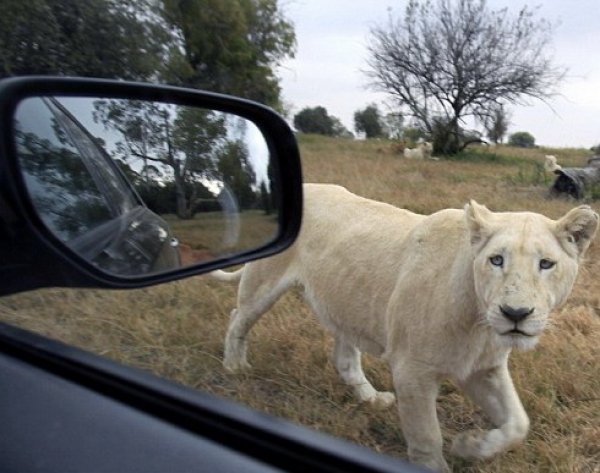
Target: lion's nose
(515,314)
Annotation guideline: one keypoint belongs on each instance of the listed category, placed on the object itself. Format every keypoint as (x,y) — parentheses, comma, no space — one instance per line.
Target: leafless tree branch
(446,60)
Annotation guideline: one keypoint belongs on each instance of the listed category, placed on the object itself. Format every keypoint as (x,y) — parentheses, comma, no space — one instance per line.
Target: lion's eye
(546,264)
(497,260)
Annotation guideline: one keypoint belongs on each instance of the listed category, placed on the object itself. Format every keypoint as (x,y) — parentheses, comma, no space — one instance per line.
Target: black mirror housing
(33,254)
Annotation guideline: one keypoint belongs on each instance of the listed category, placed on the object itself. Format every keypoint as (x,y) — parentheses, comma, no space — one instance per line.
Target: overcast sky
(332,37)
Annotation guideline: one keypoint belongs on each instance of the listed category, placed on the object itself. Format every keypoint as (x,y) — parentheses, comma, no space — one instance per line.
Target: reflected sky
(237,127)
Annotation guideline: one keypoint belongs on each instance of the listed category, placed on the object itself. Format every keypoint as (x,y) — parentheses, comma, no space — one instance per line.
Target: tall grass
(176,330)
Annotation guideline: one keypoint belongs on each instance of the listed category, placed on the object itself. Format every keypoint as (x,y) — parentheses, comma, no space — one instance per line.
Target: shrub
(412,136)
(369,122)
(521,139)
(315,120)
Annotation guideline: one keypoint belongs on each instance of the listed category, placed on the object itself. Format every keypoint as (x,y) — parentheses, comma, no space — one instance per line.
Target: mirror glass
(139,187)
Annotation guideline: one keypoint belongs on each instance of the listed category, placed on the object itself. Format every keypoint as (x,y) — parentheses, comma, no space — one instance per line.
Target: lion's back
(333,207)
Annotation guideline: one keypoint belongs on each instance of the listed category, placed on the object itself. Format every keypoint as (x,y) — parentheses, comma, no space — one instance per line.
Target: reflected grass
(214,234)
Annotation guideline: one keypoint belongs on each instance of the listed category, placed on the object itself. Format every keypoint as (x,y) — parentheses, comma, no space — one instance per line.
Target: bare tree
(447,60)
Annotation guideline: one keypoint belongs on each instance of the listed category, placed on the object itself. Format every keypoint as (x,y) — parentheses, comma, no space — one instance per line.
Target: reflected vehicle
(81,195)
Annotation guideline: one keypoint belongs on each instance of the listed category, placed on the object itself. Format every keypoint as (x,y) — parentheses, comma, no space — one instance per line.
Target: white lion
(551,165)
(440,296)
(422,151)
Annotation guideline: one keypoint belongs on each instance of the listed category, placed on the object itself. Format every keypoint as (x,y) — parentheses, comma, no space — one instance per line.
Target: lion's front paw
(477,443)
(434,463)
(236,365)
(382,400)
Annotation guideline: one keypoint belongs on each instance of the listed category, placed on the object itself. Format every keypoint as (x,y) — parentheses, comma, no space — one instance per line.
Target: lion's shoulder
(441,232)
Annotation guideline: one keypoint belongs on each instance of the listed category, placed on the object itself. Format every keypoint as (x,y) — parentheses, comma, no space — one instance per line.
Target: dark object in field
(574,181)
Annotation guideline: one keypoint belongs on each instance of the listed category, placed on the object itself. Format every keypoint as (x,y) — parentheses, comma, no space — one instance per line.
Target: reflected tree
(62,189)
(237,173)
(182,151)
(265,199)
(169,147)
(198,135)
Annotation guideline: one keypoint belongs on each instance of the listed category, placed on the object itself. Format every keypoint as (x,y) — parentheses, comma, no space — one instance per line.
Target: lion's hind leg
(262,284)
(347,360)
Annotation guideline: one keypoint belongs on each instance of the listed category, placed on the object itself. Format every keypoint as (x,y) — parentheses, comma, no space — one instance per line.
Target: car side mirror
(137,183)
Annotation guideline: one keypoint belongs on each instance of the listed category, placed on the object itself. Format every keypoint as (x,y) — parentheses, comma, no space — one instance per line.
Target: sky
(331,55)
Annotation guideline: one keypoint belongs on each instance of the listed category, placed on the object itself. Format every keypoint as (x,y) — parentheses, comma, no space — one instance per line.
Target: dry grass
(176,330)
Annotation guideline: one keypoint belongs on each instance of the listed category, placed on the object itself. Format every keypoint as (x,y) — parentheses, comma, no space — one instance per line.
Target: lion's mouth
(516,331)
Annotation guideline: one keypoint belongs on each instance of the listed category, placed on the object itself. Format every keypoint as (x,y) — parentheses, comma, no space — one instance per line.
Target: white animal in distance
(422,151)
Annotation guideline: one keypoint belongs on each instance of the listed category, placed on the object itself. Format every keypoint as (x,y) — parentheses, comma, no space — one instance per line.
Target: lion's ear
(578,228)
(478,219)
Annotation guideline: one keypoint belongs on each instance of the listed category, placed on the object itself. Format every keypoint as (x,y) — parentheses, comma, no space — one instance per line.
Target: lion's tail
(225,276)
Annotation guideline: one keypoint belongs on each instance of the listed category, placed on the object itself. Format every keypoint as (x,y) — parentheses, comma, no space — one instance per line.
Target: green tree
(229,46)
(369,122)
(315,120)
(522,139)
(447,60)
(96,38)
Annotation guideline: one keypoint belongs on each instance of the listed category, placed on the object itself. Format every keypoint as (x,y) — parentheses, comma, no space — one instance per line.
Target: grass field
(176,330)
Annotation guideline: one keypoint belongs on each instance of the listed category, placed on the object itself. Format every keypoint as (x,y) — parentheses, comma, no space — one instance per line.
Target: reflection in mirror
(139,187)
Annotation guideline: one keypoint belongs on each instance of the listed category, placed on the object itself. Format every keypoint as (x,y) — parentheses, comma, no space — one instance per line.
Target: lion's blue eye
(497,260)
(546,264)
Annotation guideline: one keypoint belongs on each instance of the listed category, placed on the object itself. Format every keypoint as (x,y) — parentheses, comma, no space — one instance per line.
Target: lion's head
(525,266)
